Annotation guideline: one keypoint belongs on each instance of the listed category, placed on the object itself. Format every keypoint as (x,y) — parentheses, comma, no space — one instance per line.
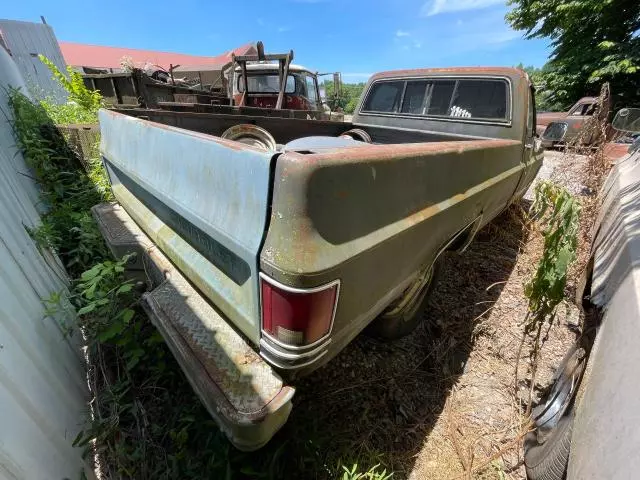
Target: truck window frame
(290,76)
(507,122)
(579,110)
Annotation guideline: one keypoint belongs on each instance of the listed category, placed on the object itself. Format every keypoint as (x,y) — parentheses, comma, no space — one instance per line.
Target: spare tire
(250,135)
(357,134)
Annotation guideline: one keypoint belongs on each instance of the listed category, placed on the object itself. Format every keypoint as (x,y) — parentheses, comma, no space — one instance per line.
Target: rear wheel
(407,311)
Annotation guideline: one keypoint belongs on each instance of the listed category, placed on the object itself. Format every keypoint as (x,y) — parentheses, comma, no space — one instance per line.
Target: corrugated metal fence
(25,41)
(43,392)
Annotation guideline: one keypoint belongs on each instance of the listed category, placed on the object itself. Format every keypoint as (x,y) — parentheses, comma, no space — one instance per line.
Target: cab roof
(480,71)
(272,66)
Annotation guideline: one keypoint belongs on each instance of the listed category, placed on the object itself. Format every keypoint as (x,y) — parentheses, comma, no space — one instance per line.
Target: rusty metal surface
(545,118)
(246,380)
(575,122)
(371,216)
(420,72)
(374,215)
(203,200)
(242,392)
(138,89)
(284,125)
(83,139)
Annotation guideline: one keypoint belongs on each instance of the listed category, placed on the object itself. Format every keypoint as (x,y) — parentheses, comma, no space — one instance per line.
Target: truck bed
(223,212)
(285,129)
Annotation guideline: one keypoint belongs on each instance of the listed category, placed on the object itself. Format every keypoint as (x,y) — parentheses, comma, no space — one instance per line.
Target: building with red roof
(95,56)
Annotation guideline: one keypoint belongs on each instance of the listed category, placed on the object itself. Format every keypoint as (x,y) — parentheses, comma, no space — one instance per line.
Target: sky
(355,37)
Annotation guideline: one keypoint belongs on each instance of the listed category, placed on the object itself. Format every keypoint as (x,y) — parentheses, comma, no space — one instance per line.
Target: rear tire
(549,460)
(396,322)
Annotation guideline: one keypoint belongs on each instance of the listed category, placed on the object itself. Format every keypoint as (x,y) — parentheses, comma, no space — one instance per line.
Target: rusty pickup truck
(269,243)
(577,117)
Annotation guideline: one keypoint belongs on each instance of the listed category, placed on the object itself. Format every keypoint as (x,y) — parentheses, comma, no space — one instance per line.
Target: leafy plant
(559,213)
(88,100)
(373,473)
(350,95)
(67,190)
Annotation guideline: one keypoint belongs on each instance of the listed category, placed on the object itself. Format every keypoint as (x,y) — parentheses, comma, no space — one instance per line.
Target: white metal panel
(25,41)
(43,393)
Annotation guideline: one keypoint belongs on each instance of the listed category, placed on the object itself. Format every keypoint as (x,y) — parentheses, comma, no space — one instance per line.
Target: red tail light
(297,317)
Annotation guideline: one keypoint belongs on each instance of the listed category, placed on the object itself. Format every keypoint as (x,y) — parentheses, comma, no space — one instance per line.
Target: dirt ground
(441,403)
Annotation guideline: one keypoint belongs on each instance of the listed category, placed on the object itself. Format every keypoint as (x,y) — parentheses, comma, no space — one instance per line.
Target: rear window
(484,99)
(384,97)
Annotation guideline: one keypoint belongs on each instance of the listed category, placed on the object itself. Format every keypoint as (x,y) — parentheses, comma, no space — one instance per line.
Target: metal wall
(43,394)
(25,41)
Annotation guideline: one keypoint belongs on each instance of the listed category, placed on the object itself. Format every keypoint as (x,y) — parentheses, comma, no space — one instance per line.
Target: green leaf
(127,315)
(125,288)
(132,362)
(87,308)
(91,291)
(111,331)
(91,273)
(606,45)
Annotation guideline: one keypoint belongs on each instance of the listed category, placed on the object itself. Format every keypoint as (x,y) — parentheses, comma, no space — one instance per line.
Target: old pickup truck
(577,117)
(267,254)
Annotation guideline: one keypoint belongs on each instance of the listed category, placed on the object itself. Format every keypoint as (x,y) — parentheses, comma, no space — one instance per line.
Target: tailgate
(201,199)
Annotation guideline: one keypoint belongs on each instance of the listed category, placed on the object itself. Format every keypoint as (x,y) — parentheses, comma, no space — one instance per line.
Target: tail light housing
(297,317)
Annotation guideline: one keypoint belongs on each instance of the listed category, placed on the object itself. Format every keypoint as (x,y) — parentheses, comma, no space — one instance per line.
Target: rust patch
(211,138)
(382,153)
(506,71)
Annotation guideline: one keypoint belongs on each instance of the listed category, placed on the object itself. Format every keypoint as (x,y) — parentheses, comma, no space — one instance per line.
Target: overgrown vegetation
(82,105)
(545,101)
(66,189)
(558,214)
(350,95)
(146,421)
(593,41)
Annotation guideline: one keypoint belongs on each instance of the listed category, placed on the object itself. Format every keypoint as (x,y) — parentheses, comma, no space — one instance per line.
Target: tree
(593,41)
(348,100)
(544,97)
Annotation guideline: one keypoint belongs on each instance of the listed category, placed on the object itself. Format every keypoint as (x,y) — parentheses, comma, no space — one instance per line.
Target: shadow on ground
(378,402)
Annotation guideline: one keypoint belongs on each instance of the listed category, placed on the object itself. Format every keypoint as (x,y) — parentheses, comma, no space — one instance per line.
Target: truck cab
(301,90)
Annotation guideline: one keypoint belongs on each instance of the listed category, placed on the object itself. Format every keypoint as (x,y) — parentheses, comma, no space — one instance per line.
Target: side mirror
(555,132)
(627,120)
